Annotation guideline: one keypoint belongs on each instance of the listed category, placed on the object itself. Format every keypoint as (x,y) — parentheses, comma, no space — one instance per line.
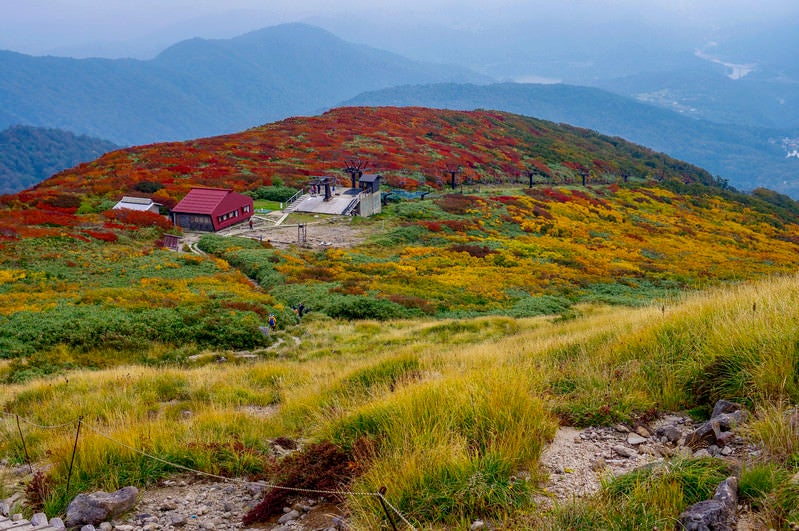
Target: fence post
(382,491)
(24,446)
(74,451)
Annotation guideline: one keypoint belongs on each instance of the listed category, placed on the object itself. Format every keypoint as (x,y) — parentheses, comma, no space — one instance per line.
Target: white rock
(635,439)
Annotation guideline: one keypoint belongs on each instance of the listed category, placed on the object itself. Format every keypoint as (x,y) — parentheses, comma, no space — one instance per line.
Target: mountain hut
(211,209)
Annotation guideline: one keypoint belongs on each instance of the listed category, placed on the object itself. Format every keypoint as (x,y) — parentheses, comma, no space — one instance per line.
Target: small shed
(370,183)
(211,209)
(370,199)
(172,241)
(140,204)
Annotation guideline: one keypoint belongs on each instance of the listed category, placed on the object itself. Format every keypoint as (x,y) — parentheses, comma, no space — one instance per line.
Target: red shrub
(140,219)
(458,204)
(99,235)
(477,251)
(320,466)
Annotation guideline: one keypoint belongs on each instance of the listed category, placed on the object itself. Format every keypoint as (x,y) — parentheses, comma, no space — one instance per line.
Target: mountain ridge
(749,157)
(182,94)
(29,155)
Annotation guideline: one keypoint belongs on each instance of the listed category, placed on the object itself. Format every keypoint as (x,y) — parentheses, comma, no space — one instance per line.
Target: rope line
(264,484)
(41,426)
(340,493)
(396,511)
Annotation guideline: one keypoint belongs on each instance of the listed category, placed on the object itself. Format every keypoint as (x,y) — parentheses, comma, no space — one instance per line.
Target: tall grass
(456,413)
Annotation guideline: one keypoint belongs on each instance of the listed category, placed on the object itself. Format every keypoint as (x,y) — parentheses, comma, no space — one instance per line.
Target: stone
(57,523)
(124,527)
(725,406)
(88,527)
(624,451)
(702,452)
(643,432)
(176,519)
(671,433)
(706,516)
(39,519)
(106,526)
(100,506)
(477,524)
(634,439)
(621,428)
(289,516)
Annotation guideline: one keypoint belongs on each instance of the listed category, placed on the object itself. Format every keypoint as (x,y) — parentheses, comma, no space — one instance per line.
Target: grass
(265,204)
(447,414)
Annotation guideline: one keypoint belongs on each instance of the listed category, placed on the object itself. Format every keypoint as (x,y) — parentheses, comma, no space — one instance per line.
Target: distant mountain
(748,157)
(742,94)
(203,87)
(29,155)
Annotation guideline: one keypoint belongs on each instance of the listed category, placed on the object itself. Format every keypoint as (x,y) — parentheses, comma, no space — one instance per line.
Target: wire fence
(79,423)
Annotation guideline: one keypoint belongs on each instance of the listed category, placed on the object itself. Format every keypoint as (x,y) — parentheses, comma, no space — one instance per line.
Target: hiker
(250,224)
(272,321)
(300,310)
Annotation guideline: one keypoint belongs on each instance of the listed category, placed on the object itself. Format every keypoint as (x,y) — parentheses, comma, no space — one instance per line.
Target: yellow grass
(448,403)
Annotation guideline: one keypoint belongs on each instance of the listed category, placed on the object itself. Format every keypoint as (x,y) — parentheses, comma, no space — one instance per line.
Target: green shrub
(757,483)
(357,307)
(277,193)
(540,305)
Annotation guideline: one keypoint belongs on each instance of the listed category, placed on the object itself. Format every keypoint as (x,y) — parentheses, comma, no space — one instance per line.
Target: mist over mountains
(729,106)
(203,87)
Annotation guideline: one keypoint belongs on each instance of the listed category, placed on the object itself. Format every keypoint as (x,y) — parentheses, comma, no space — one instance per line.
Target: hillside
(202,87)
(747,156)
(442,347)
(643,225)
(29,155)
(409,145)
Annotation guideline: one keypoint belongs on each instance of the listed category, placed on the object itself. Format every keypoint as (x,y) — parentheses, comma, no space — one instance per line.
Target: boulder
(709,432)
(717,514)
(725,406)
(670,432)
(39,520)
(100,506)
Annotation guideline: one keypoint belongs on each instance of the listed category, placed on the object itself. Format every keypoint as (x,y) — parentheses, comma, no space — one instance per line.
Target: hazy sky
(45,26)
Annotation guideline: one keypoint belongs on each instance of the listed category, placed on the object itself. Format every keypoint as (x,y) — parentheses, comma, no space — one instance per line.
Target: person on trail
(300,310)
(250,224)
(272,321)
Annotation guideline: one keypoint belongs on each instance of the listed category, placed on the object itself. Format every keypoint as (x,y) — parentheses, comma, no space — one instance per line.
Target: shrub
(147,187)
(319,466)
(458,204)
(358,307)
(540,305)
(273,193)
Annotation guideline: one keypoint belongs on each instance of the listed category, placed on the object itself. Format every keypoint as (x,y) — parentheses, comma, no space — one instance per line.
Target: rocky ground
(575,461)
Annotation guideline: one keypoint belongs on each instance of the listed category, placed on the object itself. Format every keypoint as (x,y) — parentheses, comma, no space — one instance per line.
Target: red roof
(202,200)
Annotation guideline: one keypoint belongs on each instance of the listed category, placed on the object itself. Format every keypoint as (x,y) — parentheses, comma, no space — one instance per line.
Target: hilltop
(412,145)
(746,155)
